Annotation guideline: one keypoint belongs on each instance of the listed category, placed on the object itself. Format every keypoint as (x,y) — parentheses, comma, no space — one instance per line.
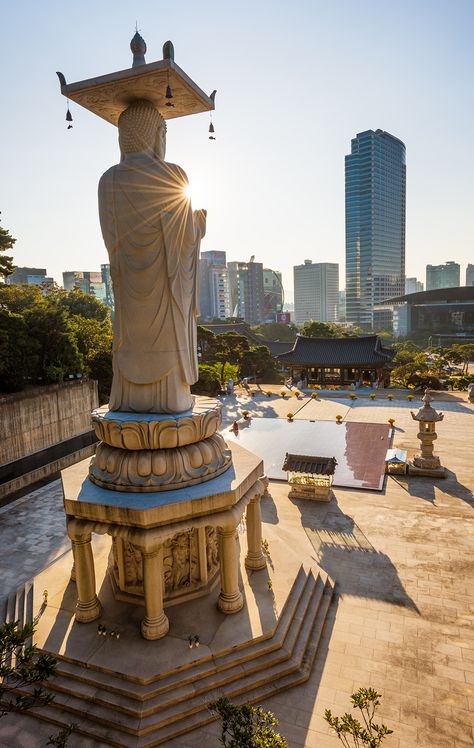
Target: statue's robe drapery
(153,245)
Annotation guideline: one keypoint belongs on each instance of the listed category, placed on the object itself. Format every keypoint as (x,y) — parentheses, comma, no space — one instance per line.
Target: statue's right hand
(200,220)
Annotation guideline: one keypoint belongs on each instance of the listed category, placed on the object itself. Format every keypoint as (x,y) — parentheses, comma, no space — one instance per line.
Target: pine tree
(6,263)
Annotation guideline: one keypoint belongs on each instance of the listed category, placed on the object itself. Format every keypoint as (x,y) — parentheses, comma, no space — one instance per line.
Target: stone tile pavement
(32,534)
(402,620)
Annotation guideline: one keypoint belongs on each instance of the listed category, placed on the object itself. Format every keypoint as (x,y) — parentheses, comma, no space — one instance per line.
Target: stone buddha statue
(153,238)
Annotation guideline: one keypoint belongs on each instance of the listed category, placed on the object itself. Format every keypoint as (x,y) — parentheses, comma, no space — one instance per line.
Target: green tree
(44,337)
(20,299)
(94,342)
(209,382)
(6,262)
(313,329)
(205,339)
(246,726)
(466,354)
(22,667)
(277,331)
(18,352)
(81,304)
(259,361)
(352,732)
(227,348)
(51,326)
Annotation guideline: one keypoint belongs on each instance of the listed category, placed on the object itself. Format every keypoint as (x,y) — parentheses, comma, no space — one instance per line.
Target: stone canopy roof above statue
(109,95)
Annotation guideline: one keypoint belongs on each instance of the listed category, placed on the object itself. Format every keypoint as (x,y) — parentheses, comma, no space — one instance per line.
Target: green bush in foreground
(246,726)
(350,731)
(21,666)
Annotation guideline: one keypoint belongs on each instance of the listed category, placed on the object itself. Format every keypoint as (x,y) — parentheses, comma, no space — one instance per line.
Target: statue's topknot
(138,126)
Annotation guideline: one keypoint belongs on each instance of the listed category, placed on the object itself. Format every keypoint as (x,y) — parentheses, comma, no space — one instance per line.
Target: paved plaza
(402,559)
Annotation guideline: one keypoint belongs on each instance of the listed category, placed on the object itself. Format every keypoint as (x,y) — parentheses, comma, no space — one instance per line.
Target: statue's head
(142,128)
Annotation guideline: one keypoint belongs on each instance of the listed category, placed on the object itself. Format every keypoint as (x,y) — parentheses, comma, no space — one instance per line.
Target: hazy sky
(295,82)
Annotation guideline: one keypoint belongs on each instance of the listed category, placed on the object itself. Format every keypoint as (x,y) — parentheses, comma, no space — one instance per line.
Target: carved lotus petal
(111,460)
(132,438)
(195,455)
(144,463)
(158,462)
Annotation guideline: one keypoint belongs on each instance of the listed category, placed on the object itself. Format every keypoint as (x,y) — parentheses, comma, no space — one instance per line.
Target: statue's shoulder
(178,171)
(107,176)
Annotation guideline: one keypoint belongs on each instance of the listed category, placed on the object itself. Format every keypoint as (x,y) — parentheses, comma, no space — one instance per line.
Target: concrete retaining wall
(38,418)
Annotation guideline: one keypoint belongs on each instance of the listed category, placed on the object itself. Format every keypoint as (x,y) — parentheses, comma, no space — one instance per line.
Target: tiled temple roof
(366,350)
(309,464)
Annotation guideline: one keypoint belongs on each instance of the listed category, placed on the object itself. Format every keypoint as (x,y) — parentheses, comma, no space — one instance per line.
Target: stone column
(88,605)
(230,599)
(155,624)
(255,558)
(202,550)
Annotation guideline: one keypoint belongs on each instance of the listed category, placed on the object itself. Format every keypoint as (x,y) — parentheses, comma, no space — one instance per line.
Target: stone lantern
(426,463)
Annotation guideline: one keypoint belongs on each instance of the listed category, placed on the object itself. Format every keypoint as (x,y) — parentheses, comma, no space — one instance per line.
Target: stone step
(255,695)
(269,674)
(18,606)
(198,669)
(165,703)
(183,717)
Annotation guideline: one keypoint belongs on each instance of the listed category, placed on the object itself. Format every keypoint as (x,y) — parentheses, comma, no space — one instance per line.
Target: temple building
(339,361)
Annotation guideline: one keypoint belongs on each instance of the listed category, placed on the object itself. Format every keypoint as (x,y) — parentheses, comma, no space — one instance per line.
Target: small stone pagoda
(427,463)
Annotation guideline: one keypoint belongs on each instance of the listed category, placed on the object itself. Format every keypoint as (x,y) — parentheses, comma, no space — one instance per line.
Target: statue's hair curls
(138,126)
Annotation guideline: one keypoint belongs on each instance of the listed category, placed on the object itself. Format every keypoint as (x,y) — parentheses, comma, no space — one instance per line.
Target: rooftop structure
(447,275)
(29,276)
(443,313)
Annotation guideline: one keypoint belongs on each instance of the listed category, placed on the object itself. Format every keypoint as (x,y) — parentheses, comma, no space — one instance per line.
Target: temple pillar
(230,598)
(255,558)
(88,606)
(155,624)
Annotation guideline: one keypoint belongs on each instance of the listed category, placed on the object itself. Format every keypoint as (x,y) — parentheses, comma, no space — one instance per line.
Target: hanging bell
(169,95)
(69,118)
(211,130)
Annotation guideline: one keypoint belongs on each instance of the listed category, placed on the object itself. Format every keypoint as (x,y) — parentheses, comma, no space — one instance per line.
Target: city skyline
(52,211)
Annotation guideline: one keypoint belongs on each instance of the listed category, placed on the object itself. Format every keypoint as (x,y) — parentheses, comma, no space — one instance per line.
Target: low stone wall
(50,470)
(33,420)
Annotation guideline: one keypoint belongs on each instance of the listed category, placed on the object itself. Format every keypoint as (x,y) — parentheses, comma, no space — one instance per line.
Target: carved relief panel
(190,566)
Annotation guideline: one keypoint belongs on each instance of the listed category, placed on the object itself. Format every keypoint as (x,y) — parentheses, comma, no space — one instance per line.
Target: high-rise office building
(341,310)
(246,291)
(213,286)
(470,275)
(413,285)
(88,281)
(375,225)
(107,281)
(29,276)
(273,295)
(447,275)
(316,286)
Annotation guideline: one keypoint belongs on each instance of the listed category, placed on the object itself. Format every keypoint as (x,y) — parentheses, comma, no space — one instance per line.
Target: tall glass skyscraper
(375,226)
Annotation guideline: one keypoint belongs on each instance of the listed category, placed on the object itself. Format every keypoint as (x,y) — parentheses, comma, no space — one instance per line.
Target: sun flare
(198,193)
